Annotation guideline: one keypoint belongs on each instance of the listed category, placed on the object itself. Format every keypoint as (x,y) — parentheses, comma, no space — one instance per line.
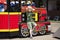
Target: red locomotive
(14,22)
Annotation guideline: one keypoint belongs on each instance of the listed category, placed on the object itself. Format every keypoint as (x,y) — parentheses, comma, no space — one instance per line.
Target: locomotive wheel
(24,32)
(34,32)
(42,30)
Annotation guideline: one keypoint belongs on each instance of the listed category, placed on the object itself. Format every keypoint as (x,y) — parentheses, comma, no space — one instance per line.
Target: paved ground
(54,25)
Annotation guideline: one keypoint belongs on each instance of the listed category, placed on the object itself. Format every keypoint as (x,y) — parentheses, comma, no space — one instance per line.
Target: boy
(30,21)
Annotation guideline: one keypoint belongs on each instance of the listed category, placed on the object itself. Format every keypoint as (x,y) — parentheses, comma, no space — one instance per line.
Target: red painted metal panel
(43,11)
(3,21)
(14,22)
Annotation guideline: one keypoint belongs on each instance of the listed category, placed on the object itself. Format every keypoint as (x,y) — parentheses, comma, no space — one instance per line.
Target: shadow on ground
(8,37)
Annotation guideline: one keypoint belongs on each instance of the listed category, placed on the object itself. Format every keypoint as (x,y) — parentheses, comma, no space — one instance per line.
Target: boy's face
(29,10)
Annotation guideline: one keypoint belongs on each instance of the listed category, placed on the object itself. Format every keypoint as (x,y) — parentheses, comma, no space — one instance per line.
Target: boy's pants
(29,24)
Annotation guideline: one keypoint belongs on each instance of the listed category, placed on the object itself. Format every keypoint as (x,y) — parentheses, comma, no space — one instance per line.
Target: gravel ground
(54,25)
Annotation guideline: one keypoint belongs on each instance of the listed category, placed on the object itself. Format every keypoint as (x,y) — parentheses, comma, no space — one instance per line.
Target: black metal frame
(47,5)
(8,5)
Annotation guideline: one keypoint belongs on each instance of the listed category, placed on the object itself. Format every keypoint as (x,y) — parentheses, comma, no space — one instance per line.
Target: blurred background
(54,10)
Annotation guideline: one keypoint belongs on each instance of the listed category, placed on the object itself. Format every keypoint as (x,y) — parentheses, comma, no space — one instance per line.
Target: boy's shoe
(31,37)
